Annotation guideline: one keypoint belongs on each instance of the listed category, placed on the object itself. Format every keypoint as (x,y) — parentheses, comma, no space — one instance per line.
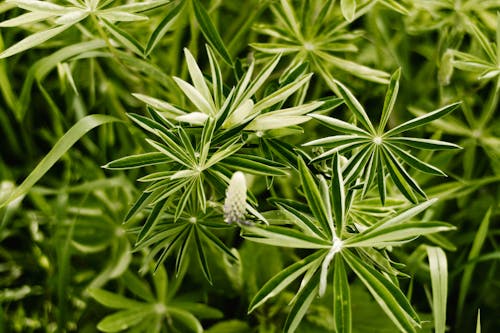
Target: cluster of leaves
(247,177)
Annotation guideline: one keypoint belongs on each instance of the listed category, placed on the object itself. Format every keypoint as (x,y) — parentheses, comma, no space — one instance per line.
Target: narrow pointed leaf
(313,196)
(415,162)
(348,8)
(112,300)
(123,320)
(341,298)
(390,100)
(424,119)
(338,196)
(388,296)
(281,280)
(284,237)
(355,107)
(163,27)
(137,161)
(302,302)
(210,32)
(152,220)
(438,267)
(33,40)
(74,134)
(421,143)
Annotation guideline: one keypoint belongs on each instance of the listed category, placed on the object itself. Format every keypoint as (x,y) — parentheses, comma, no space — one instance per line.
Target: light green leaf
(388,296)
(187,320)
(390,100)
(60,148)
(197,77)
(395,234)
(301,304)
(339,125)
(112,300)
(166,108)
(114,15)
(40,6)
(254,164)
(355,107)
(26,19)
(284,237)
(281,94)
(123,37)
(210,32)
(195,96)
(348,8)
(123,320)
(165,25)
(137,161)
(281,280)
(341,298)
(477,244)
(314,197)
(438,267)
(152,220)
(136,7)
(422,120)
(338,196)
(33,40)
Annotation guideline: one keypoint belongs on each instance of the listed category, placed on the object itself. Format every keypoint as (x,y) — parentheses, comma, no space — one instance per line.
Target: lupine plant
(249,166)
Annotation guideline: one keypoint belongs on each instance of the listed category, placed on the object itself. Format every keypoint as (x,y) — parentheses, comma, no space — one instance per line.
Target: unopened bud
(236,199)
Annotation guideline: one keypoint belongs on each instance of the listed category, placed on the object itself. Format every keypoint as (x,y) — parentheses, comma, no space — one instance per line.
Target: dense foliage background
(298,95)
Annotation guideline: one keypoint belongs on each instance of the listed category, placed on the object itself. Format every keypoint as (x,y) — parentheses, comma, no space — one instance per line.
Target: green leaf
(355,107)
(213,240)
(163,27)
(301,304)
(338,196)
(400,177)
(195,96)
(477,244)
(187,320)
(438,267)
(152,220)
(137,161)
(348,8)
(202,256)
(60,148)
(112,300)
(255,164)
(300,219)
(341,298)
(40,6)
(27,18)
(210,32)
(33,40)
(314,197)
(388,296)
(422,120)
(415,162)
(124,37)
(390,100)
(281,94)
(284,278)
(136,7)
(123,320)
(395,234)
(337,141)
(285,237)
(422,143)
(197,76)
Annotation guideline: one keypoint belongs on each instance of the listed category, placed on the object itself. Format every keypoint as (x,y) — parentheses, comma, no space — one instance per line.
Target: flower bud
(236,199)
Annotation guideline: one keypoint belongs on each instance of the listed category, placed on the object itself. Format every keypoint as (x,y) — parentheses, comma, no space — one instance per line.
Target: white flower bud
(236,199)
